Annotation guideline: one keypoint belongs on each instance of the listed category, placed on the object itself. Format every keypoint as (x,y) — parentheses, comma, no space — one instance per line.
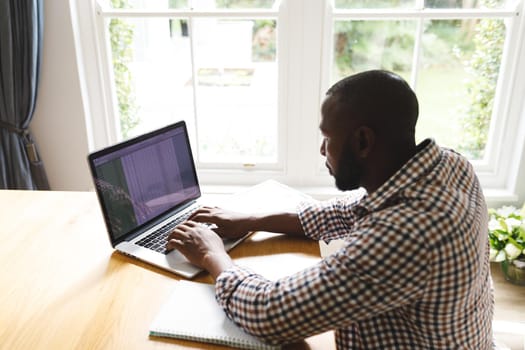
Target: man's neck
(386,166)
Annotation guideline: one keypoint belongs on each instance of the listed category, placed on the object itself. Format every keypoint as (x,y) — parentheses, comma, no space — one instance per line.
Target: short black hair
(379,98)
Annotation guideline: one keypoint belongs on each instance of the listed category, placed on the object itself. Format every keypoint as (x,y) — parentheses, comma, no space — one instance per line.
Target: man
(414,270)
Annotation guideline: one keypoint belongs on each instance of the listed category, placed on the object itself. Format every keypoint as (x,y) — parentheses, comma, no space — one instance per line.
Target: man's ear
(366,139)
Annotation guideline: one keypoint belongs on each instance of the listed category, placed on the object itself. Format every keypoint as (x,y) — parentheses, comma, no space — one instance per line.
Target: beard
(349,173)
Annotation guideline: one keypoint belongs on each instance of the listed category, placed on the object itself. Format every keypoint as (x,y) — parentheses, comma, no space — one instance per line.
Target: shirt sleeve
(327,220)
(373,273)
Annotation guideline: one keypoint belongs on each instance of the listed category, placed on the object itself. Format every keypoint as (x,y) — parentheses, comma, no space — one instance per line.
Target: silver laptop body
(146,186)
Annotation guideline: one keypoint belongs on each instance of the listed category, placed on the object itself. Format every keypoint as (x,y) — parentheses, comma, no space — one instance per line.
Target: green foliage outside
(243,4)
(353,4)
(360,44)
(226,4)
(264,40)
(357,44)
(484,69)
(121,39)
(264,31)
(472,46)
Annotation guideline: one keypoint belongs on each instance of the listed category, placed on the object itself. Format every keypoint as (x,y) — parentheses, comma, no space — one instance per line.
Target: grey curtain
(21,25)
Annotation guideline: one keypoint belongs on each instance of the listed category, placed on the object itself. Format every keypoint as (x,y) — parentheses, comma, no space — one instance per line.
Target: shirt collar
(420,164)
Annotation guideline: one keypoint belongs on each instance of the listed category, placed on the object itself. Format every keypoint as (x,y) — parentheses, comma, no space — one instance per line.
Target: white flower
(500,256)
(512,251)
(507,210)
(494,225)
(492,254)
(512,223)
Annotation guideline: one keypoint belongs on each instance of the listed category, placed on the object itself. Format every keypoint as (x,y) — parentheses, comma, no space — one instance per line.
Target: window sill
(494,197)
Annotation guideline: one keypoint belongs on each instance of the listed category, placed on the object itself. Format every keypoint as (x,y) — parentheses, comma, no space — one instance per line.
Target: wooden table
(63,287)
(509,314)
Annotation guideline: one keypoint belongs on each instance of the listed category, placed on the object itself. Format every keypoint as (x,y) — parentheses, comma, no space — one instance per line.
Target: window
(450,51)
(249,76)
(456,55)
(212,63)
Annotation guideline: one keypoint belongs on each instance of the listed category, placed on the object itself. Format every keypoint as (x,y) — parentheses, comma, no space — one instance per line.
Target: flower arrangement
(507,233)
(507,241)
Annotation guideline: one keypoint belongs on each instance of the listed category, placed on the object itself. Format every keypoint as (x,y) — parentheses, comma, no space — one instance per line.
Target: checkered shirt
(413,273)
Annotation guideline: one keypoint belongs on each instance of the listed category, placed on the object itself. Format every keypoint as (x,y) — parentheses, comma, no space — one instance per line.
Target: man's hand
(229,224)
(201,246)
(233,224)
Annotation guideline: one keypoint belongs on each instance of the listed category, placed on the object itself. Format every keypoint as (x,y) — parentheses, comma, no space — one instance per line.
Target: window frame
(492,169)
(303,77)
(107,13)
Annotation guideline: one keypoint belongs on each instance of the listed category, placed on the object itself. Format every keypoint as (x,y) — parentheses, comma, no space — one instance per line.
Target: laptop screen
(144,178)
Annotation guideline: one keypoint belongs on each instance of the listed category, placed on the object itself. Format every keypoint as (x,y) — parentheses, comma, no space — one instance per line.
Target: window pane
(403,4)
(186,4)
(236,90)
(148,4)
(373,4)
(152,73)
(457,81)
(363,45)
(465,4)
(236,96)
(244,4)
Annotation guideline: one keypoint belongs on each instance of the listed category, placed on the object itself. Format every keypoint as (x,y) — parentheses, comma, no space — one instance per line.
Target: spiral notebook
(192,313)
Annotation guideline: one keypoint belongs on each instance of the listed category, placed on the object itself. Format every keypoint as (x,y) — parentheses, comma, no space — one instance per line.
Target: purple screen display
(144,180)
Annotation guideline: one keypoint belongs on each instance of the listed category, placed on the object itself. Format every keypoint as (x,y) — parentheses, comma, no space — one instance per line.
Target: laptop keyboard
(157,239)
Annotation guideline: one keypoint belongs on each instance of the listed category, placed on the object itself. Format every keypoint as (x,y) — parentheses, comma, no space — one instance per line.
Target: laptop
(146,186)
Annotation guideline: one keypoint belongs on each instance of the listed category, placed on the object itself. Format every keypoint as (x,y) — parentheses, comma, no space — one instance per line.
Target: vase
(514,271)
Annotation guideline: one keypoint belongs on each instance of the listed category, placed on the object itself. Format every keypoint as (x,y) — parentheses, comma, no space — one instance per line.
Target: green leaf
(503,224)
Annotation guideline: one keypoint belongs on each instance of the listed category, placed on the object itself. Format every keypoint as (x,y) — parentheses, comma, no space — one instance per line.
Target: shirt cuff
(307,212)
(227,282)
